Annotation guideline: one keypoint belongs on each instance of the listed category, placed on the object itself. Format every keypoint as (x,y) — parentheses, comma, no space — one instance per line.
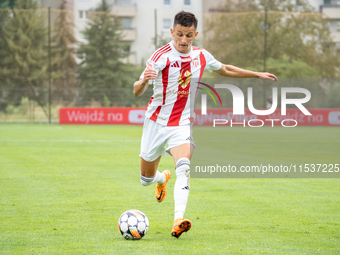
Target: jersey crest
(195,62)
(187,76)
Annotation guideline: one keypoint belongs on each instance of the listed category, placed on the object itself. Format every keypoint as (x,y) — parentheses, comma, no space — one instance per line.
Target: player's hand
(267,76)
(149,74)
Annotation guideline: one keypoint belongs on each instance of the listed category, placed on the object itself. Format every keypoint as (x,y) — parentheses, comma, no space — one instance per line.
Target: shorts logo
(175,65)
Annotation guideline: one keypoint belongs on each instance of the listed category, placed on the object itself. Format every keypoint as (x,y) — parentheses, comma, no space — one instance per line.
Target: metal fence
(25,104)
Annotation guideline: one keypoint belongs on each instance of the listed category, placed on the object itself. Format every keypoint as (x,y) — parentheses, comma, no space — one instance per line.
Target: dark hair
(185,19)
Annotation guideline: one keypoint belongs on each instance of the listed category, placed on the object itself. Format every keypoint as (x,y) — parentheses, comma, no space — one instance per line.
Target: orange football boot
(181,225)
(160,192)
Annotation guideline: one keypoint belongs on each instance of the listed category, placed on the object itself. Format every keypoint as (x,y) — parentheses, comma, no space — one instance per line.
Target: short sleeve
(157,66)
(211,63)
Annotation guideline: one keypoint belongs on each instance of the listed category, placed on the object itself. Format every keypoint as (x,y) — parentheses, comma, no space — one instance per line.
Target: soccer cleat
(160,192)
(180,226)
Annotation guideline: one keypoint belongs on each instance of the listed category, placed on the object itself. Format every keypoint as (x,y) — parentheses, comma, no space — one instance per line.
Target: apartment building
(154,17)
(143,20)
(331,9)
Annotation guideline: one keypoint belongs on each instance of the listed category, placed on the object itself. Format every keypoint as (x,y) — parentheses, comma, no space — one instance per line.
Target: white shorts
(156,136)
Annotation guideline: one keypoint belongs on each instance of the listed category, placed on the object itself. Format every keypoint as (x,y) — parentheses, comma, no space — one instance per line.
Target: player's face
(183,37)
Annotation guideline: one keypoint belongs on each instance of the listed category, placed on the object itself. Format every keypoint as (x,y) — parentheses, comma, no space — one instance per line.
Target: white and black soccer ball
(133,224)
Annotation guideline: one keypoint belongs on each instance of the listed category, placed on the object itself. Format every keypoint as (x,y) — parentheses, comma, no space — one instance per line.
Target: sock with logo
(182,186)
(159,178)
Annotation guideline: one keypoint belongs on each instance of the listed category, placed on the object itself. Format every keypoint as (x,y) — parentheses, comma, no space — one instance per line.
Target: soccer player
(170,70)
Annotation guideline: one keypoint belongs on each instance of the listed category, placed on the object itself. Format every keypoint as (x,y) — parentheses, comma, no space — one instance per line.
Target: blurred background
(88,53)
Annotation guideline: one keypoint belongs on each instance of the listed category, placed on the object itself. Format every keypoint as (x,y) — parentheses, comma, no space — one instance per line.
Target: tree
(6,62)
(238,35)
(284,67)
(7,3)
(64,64)
(4,56)
(102,55)
(25,36)
(4,51)
(26,40)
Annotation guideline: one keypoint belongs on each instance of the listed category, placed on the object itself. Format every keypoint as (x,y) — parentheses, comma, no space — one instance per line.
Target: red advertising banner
(98,116)
(135,116)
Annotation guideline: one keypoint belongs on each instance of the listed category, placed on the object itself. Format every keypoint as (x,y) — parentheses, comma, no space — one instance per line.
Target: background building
(331,9)
(143,20)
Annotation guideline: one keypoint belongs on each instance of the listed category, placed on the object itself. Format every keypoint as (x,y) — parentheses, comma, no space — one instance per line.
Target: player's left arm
(236,72)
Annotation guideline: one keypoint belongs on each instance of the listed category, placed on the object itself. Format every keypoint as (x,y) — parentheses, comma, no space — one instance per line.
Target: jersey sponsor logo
(187,76)
(187,59)
(334,117)
(136,116)
(175,65)
(195,62)
(183,93)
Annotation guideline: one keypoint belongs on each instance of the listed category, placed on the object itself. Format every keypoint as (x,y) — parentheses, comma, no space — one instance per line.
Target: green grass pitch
(63,188)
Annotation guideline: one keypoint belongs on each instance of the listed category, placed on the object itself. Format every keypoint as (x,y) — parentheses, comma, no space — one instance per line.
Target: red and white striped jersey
(170,103)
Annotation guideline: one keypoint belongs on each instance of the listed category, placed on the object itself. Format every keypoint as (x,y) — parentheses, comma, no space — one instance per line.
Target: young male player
(167,121)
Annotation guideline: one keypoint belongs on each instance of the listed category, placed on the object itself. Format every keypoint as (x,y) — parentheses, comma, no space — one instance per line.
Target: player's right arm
(140,86)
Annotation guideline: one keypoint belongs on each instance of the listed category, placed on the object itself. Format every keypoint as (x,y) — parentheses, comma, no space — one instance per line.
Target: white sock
(159,178)
(182,186)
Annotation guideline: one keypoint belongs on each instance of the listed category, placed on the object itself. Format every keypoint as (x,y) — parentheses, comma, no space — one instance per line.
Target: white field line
(138,140)
(70,140)
(32,121)
(273,141)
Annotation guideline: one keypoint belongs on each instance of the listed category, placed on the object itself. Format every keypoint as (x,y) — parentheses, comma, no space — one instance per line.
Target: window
(337,24)
(166,24)
(167,2)
(84,14)
(187,2)
(329,25)
(127,48)
(126,22)
(337,45)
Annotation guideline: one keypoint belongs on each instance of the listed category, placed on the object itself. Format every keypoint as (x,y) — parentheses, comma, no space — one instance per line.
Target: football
(133,224)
